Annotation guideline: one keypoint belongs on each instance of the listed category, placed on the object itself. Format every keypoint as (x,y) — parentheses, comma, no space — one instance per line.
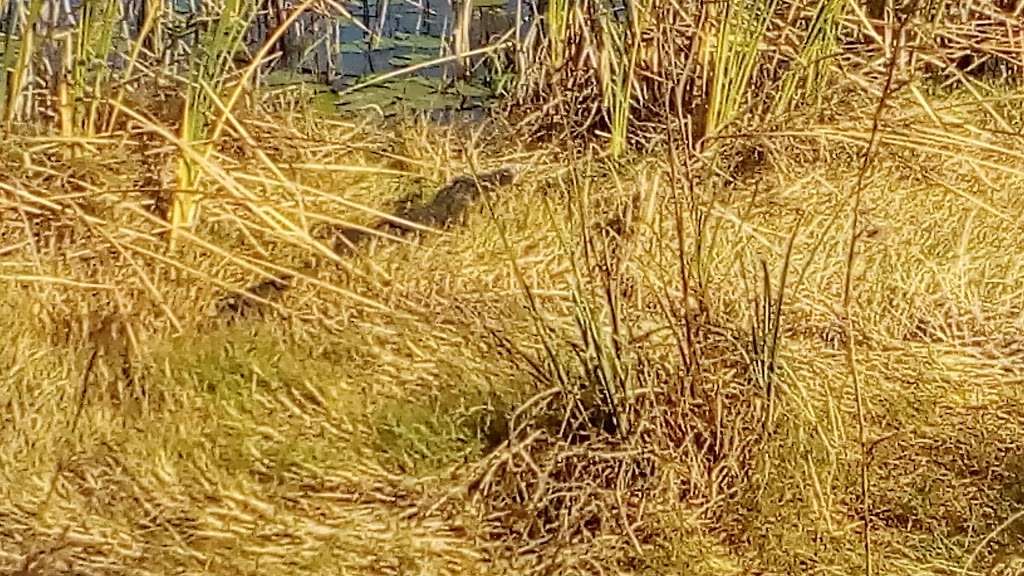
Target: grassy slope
(328,446)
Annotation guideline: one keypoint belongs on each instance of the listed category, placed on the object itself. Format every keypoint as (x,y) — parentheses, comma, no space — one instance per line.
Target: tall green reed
(90,69)
(209,70)
(556,21)
(809,74)
(17,57)
(741,29)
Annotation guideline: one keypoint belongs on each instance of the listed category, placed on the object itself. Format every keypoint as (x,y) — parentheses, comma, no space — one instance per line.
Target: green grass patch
(451,427)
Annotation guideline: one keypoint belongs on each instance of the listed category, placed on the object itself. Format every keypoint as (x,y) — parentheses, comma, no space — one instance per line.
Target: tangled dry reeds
(595,373)
(626,71)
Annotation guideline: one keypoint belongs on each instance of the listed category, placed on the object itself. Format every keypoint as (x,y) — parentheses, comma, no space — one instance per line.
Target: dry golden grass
(382,417)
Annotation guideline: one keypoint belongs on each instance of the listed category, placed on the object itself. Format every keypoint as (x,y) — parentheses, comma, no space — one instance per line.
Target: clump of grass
(90,66)
(639,406)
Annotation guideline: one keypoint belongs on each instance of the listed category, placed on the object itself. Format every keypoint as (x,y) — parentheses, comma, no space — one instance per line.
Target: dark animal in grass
(447,207)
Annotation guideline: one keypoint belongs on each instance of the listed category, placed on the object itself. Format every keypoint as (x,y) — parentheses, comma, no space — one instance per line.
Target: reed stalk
(208,73)
(741,30)
(618,62)
(149,31)
(808,76)
(556,24)
(460,35)
(18,58)
(90,71)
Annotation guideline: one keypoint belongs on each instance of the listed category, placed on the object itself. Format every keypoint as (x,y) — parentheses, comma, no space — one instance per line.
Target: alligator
(448,206)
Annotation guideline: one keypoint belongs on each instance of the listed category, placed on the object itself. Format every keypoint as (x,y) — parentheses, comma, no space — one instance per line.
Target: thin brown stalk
(851,351)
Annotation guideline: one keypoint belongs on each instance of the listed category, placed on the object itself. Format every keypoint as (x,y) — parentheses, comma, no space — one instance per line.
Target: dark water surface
(331,54)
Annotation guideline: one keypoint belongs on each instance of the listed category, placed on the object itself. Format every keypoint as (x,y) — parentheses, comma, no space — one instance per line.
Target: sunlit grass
(349,432)
(627,362)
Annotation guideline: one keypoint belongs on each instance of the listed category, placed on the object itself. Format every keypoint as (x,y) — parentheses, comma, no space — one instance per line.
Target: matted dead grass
(383,416)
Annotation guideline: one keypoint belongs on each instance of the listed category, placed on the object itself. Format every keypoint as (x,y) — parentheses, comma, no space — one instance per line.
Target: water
(338,54)
(415,31)
(333,53)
